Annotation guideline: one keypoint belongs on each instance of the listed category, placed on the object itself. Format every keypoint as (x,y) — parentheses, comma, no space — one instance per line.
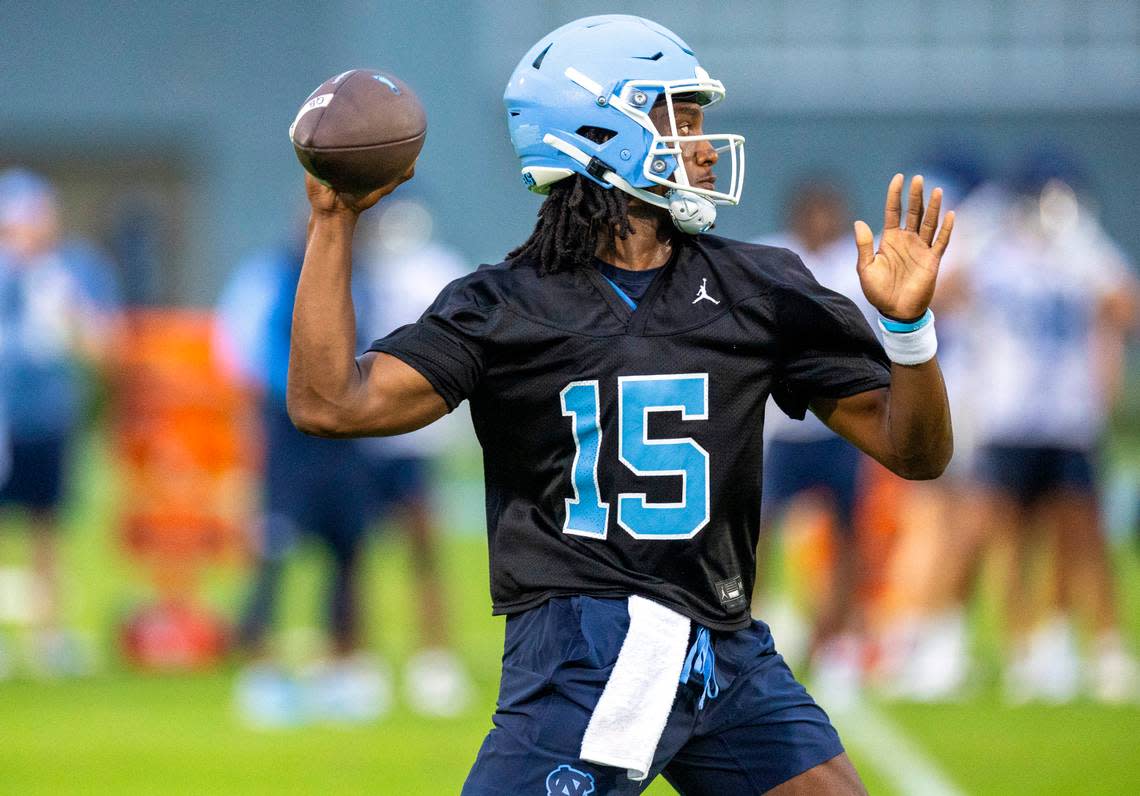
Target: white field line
(894,756)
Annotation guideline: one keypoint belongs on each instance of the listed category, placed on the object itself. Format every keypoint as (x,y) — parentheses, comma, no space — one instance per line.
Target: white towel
(630,715)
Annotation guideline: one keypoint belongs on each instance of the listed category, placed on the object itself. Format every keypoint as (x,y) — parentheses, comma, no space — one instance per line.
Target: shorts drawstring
(702,659)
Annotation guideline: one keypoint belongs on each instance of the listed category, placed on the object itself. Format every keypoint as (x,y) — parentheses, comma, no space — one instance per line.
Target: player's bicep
(861,419)
(397,397)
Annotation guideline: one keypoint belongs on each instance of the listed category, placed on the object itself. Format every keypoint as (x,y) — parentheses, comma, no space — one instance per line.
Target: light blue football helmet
(606,73)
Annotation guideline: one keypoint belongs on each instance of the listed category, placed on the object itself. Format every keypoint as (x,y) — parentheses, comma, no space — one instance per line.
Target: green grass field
(125,733)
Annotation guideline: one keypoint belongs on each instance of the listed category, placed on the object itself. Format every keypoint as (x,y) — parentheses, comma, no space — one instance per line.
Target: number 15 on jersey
(638,396)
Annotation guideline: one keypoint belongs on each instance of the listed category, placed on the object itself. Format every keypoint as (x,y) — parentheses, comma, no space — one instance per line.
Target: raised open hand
(899,278)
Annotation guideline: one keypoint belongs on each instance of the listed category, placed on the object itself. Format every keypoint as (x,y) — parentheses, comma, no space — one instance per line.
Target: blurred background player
(313,486)
(811,473)
(6,662)
(404,270)
(1051,300)
(335,490)
(924,644)
(58,312)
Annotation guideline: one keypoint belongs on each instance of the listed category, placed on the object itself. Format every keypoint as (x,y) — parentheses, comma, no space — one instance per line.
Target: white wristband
(909,343)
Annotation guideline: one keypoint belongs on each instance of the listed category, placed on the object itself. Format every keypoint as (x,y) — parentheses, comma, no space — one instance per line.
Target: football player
(617,365)
(59,312)
(810,473)
(1047,288)
(311,487)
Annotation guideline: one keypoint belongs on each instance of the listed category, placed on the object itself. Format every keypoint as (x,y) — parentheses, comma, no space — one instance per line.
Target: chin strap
(691,213)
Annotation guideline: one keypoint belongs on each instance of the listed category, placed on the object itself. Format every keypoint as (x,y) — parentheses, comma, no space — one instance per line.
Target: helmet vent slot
(538,61)
(599,135)
(655,57)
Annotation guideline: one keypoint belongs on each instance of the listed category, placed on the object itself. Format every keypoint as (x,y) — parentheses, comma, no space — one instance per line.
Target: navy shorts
(1030,472)
(762,729)
(828,466)
(36,480)
(395,482)
(312,485)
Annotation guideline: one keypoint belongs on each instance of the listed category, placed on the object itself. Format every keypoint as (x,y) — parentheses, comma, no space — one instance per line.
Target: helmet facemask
(692,207)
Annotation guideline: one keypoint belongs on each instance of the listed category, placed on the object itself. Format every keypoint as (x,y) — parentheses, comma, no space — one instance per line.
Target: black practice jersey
(622,447)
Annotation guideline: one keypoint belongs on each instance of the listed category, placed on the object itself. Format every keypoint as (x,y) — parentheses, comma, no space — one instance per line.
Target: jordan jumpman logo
(703,293)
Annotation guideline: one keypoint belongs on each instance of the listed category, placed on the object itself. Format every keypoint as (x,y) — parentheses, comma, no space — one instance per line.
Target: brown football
(359,130)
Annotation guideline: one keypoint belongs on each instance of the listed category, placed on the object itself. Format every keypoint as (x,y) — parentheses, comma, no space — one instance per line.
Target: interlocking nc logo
(703,293)
(567,781)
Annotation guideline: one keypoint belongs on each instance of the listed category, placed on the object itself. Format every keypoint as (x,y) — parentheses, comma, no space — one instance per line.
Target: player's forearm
(917,422)
(323,375)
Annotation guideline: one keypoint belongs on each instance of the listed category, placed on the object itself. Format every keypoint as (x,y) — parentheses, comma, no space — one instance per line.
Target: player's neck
(650,245)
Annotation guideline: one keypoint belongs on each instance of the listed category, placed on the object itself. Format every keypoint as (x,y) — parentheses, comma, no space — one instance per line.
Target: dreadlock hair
(575,214)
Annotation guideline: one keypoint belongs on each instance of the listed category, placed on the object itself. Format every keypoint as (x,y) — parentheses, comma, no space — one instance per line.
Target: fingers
(893,212)
(865,243)
(930,220)
(315,185)
(943,239)
(396,183)
(914,204)
(361,202)
(321,197)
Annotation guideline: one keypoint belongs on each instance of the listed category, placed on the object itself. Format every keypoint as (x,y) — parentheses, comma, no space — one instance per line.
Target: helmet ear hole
(599,135)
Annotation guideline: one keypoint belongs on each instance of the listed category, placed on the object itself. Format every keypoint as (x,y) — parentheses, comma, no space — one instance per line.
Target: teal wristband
(901,327)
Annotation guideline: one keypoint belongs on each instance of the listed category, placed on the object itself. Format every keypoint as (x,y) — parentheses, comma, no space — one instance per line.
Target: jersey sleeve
(828,348)
(448,344)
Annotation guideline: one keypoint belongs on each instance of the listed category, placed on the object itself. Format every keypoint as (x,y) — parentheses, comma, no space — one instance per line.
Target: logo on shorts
(567,781)
(731,593)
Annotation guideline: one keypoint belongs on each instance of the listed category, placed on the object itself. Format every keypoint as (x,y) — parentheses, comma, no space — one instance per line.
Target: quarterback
(617,365)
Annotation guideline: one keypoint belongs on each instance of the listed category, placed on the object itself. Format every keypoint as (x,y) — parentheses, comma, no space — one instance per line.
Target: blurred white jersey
(977,227)
(400,287)
(1036,373)
(833,267)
